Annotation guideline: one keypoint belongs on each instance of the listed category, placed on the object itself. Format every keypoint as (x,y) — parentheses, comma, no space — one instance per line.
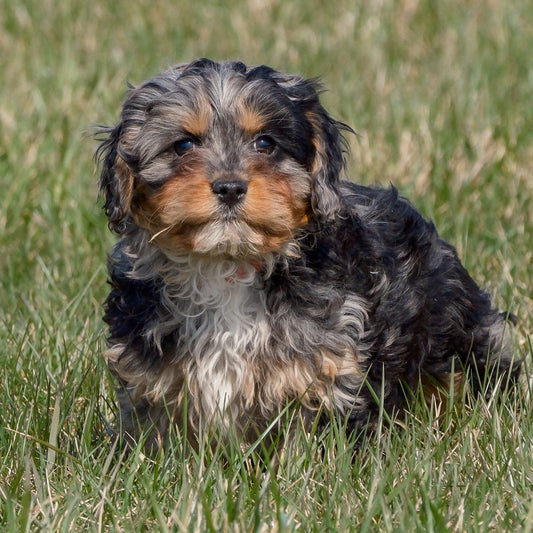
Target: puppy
(250,275)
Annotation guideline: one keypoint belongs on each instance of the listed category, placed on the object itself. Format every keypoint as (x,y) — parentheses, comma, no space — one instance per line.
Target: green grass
(440,94)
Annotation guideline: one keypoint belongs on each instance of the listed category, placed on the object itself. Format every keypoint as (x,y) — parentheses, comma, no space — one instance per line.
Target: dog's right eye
(184,145)
(264,144)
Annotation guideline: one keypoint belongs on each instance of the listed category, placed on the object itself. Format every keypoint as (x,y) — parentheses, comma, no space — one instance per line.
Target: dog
(250,276)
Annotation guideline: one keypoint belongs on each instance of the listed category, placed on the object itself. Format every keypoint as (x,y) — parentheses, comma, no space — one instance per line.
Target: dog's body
(249,275)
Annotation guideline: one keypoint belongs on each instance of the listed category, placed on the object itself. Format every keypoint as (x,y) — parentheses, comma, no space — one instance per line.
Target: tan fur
(197,121)
(250,120)
(441,390)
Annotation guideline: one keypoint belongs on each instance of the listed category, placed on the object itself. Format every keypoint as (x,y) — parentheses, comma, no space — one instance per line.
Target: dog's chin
(234,239)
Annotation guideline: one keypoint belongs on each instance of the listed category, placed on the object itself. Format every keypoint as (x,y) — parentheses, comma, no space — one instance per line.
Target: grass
(440,94)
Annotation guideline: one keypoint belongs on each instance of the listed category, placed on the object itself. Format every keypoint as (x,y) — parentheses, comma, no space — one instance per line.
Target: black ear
(116,180)
(328,162)
(328,142)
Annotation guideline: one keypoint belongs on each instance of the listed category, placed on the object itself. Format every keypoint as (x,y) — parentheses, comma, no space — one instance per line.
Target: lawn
(441,95)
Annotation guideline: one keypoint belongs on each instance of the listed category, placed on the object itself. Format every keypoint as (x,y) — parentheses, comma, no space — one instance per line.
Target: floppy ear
(116,180)
(328,142)
(328,162)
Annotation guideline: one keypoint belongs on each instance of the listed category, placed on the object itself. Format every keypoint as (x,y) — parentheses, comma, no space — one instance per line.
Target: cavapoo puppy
(249,275)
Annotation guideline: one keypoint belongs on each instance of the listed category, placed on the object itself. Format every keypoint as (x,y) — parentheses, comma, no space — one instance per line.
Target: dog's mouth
(229,236)
(226,236)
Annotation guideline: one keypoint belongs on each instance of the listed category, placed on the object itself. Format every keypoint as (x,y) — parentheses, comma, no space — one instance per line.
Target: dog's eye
(184,145)
(264,144)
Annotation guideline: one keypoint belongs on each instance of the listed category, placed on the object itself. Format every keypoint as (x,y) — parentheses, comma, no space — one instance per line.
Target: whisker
(168,228)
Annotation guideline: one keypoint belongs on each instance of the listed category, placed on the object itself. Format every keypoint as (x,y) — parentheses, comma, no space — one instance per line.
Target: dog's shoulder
(391,222)
(383,207)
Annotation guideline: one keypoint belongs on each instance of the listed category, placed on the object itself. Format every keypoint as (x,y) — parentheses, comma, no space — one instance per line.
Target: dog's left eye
(264,144)
(184,145)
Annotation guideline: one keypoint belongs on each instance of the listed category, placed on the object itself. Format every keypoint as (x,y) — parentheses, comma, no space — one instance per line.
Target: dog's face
(222,159)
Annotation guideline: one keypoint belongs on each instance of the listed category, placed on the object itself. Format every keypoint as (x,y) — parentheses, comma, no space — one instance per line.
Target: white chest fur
(224,335)
(220,316)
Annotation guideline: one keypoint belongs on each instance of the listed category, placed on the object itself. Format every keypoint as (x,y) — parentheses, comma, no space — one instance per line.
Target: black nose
(229,192)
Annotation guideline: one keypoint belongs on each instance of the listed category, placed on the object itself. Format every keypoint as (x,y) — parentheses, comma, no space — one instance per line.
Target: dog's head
(221,158)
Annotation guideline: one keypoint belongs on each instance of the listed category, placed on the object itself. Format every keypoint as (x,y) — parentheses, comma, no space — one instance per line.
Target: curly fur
(303,287)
